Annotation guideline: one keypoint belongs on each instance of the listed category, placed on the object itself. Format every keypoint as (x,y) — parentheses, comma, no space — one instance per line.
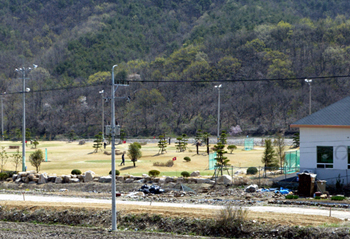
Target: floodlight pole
(103,115)
(309,83)
(114,211)
(218,130)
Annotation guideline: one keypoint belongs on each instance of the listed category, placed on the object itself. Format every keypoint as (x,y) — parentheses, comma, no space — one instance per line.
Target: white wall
(310,138)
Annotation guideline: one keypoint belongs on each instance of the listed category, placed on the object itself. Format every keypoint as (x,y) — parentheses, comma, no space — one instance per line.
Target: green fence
(248,144)
(292,161)
(212,161)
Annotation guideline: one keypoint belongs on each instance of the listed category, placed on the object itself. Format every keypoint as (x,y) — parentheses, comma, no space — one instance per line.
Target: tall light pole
(103,115)
(114,211)
(309,83)
(2,116)
(218,133)
(23,71)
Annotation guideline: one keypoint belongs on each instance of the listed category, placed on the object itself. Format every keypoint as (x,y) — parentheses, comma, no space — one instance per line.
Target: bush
(338,198)
(252,170)
(116,172)
(187,159)
(291,196)
(169,163)
(3,176)
(75,172)
(231,148)
(153,173)
(185,174)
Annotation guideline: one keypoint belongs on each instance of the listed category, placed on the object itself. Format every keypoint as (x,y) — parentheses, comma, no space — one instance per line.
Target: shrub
(153,173)
(116,172)
(75,172)
(185,174)
(317,197)
(338,198)
(291,196)
(3,176)
(252,170)
(231,148)
(169,163)
(231,217)
(187,159)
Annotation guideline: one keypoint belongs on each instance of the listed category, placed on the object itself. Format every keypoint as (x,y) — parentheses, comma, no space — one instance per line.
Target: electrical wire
(185,81)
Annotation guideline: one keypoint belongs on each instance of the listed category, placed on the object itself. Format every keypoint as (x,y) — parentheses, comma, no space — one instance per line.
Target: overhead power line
(183,81)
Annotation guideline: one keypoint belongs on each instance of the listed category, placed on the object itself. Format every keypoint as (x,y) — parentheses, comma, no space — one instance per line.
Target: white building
(325,142)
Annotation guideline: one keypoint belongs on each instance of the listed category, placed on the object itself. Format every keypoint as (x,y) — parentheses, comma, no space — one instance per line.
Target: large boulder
(195,174)
(66,178)
(42,179)
(252,188)
(129,180)
(105,179)
(31,177)
(58,180)
(225,179)
(74,180)
(88,177)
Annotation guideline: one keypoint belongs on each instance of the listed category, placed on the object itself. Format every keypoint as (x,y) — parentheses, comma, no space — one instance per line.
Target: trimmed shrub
(231,148)
(3,176)
(116,172)
(252,170)
(291,196)
(185,174)
(75,172)
(169,163)
(187,159)
(153,173)
(338,198)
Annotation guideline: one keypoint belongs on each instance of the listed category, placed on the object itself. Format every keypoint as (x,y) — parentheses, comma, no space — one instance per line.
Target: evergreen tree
(296,140)
(36,158)
(221,160)
(97,142)
(223,137)
(269,156)
(162,144)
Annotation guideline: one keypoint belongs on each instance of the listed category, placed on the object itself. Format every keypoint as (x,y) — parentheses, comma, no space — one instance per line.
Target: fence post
(259,176)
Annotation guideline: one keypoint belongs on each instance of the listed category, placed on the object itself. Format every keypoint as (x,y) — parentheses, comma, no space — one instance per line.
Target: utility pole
(115,130)
(309,83)
(218,130)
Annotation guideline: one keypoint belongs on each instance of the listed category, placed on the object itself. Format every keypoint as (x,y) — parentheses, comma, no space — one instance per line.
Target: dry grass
(267,217)
(63,157)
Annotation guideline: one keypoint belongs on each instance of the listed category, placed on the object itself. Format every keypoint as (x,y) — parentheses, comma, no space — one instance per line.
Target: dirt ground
(269,218)
(12,230)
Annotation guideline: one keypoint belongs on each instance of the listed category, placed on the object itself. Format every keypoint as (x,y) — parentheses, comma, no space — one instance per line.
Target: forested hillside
(180,49)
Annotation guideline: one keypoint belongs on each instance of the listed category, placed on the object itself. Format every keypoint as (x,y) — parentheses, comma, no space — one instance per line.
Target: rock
(88,177)
(162,180)
(195,174)
(74,180)
(129,180)
(105,179)
(14,177)
(252,188)
(42,179)
(120,178)
(26,180)
(58,180)
(169,179)
(22,174)
(225,179)
(91,172)
(145,175)
(18,180)
(32,182)
(238,172)
(51,179)
(65,178)
(31,177)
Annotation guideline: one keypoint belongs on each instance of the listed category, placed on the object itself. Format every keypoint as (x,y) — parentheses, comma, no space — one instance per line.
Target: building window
(324,157)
